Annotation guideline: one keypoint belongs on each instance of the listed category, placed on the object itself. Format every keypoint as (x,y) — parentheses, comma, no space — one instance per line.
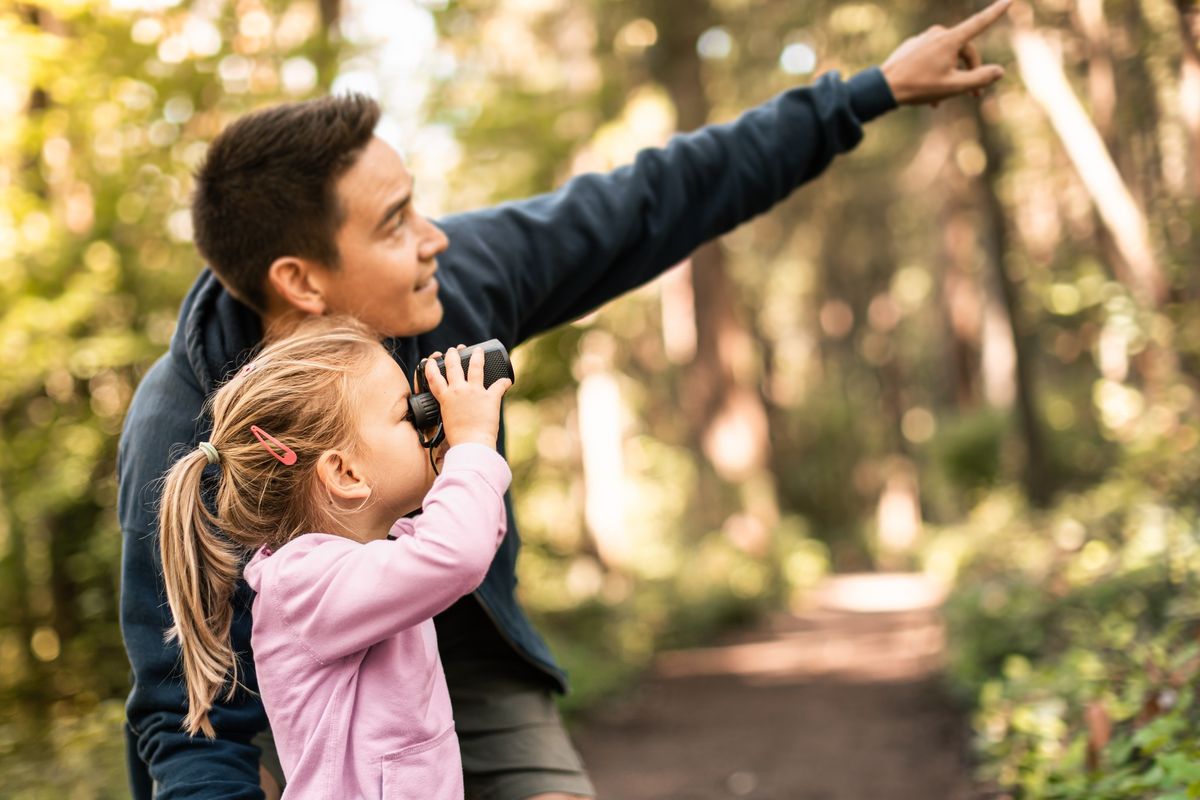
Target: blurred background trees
(986,312)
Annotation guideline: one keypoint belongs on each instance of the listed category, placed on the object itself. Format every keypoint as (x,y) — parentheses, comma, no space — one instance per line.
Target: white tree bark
(1039,59)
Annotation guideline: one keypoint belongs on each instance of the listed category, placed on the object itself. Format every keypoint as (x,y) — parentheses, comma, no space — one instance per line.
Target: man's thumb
(966,80)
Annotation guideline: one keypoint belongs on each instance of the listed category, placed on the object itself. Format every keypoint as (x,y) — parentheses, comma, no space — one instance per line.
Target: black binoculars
(427,414)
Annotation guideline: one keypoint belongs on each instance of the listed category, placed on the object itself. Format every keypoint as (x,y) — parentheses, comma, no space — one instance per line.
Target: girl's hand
(470,413)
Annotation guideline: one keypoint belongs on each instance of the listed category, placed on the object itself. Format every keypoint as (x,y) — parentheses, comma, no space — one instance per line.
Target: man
(301,210)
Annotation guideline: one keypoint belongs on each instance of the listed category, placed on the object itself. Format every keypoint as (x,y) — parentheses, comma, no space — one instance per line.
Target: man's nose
(433,242)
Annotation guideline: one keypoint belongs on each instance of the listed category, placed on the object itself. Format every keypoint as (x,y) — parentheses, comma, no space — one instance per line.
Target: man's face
(388,251)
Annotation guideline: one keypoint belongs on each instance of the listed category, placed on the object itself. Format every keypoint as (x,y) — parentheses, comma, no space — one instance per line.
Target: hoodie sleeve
(522,268)
(164,761)
(342,596)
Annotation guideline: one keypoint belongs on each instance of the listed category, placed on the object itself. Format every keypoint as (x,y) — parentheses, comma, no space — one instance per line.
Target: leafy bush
(1074,634)
(77,753)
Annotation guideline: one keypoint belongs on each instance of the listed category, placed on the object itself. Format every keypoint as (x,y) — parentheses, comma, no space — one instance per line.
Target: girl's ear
(342,477)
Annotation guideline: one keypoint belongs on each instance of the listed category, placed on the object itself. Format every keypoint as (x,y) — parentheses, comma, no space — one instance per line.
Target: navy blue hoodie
(510,272)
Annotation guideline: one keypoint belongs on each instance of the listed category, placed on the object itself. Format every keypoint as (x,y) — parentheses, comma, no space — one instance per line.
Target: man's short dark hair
(267,188)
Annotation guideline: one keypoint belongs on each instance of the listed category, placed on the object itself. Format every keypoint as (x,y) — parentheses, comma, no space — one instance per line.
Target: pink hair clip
(287,457)
(251,365)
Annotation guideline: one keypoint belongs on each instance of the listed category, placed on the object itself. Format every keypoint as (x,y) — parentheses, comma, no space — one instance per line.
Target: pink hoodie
(345,648)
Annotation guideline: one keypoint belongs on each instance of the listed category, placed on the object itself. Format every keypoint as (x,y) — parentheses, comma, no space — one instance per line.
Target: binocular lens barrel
(426,412)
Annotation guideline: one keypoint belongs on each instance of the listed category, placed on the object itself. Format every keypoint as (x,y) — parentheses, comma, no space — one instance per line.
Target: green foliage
(817,451)
(968,450)
(1074,634)
(865,302)
(1112,718)
(109,110)
(80,754)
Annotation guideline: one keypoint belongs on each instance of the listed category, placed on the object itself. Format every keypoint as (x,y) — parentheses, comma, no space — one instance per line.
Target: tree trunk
(1189,83)
(12,567)
(1102,88)
(1038,476)
(1041,68)
(601,438)
(962,305)
(327,45)
(727,415)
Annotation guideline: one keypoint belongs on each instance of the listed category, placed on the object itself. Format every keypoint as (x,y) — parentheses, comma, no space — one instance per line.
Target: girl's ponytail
(296,388)
(200,571)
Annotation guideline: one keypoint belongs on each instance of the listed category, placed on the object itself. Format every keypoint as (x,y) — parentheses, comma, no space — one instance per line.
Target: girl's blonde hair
(298,391)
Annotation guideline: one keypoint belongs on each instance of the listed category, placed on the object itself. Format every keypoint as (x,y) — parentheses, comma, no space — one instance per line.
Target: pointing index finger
(977,23)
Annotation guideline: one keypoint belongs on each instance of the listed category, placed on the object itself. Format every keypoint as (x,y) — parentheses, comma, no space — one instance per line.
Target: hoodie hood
(215,334)
(252,572)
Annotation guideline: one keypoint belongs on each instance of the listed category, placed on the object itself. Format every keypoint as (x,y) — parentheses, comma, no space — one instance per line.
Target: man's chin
(428,318)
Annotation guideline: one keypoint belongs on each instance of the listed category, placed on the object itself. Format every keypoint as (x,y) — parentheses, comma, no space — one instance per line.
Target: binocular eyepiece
(427,413)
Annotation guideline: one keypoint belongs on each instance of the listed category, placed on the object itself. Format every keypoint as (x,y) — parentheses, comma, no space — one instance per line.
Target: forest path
(837,703)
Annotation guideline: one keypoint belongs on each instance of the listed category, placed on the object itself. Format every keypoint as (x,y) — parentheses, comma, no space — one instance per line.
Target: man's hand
(943,62)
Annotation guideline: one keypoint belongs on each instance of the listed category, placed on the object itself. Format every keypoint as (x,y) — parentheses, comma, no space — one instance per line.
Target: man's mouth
(425,283)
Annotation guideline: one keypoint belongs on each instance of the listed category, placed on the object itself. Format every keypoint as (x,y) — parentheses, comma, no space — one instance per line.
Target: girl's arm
(342,597)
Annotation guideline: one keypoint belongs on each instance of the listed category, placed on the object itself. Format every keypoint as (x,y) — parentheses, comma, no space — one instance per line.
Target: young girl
(318,463)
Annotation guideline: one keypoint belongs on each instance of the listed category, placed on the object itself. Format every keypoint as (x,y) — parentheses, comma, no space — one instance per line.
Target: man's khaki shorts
(513,742)
(512,738)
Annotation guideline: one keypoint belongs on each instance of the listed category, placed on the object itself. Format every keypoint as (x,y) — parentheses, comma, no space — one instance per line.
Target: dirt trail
(837,703)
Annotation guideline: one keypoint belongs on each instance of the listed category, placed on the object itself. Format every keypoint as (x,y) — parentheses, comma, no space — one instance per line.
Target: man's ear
(298,283)
(342,477)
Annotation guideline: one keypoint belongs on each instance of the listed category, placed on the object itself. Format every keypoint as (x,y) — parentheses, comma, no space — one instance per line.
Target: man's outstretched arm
(534,264)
